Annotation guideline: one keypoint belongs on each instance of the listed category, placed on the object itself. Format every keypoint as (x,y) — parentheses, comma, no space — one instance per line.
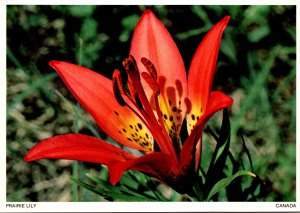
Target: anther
(135,95)
(131,67)
(118,88)
(131,89)
(150,67)
(138,102)
(120,81)
(151,82)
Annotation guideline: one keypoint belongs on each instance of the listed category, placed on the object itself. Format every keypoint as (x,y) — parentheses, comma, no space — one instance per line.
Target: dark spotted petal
(95,93)
(216,102)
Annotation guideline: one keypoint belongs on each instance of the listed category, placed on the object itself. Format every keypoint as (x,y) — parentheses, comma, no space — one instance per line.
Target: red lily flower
(140,109)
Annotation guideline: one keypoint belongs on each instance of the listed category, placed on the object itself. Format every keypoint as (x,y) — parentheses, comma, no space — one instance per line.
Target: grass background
(256,66)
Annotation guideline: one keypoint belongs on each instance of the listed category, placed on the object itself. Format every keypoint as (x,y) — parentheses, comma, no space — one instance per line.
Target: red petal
(77,147)
(156,164)
(95,93)
(217,101)
(152,41)
(202,71)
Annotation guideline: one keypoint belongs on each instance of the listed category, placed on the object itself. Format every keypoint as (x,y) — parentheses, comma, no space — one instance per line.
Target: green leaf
(128,24)
(201,13)
(224,138)
(217,164)
(81,11)
(198,188)
(245,149)
(228,47)
(89,29)
(221,184)
(111,192)
(255,189)
(192,32)
(124,187)
(259,33)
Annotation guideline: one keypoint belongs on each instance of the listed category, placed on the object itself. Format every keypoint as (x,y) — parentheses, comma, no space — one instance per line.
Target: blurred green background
(256,66)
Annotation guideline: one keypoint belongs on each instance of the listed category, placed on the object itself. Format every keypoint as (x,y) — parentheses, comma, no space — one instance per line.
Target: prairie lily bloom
(143,107)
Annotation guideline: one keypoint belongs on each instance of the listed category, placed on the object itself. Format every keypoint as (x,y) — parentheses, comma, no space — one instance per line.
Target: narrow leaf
(247,151)
(122,189)
(226,181)
(115,195)
(215,170)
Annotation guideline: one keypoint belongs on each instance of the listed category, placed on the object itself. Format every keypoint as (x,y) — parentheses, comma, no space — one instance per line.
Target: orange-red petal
(152,41)
(217,101)
(156,164)
(202,71)
(95,93)
(77,147)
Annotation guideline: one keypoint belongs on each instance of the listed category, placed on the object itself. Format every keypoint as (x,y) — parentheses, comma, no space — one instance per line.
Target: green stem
(75,167)
(75,185)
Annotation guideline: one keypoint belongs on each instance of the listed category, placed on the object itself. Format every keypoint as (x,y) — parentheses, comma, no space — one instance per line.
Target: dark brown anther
(126,64)
(131,89)
(131,58)
(118,87)
(120,80)
(131,67)
(138,102)
(150,67)
(148,78)
(135,95)
(151,82)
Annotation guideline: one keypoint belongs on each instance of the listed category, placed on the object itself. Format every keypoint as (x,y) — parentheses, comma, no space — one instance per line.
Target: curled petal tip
(29,157)
(224,22)
(115,173)
(26,159)
(52,63)
(230,101)
(113,182)
(226,19)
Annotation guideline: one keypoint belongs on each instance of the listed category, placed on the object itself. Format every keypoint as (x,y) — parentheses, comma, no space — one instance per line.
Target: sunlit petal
(95,93)
(158,165)
(152,41)
(202,71)
(77,147)
(216,102)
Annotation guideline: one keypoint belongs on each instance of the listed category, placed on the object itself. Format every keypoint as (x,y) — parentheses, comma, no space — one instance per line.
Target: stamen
(121,81)
(134,75)
(118,88)
(131,88)
(131,68)
(151,82)
(150,67)
(138,97)
(134,94)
